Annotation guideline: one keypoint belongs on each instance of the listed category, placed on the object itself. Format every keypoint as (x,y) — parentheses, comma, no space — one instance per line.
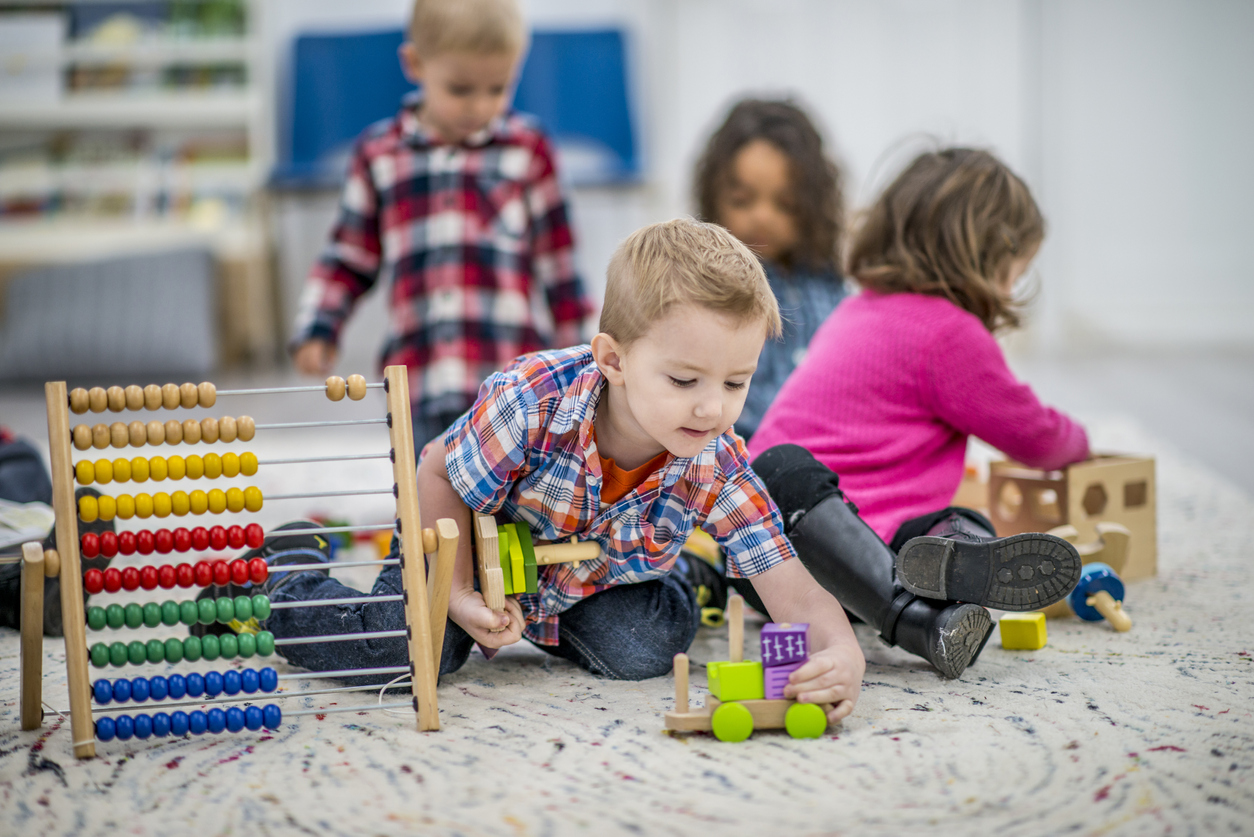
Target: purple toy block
(784,643)
(777,679)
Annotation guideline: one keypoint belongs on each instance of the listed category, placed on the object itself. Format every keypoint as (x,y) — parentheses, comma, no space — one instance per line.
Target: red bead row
(165,541)
(168,576)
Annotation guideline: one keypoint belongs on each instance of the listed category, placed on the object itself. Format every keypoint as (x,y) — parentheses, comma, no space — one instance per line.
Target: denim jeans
(628,632)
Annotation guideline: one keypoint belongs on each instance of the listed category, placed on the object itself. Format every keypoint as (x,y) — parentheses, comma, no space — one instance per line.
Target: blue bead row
(196,722)
(176,686)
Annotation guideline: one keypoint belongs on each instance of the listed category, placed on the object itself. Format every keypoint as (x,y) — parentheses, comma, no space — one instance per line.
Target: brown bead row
(151,397)
(354,387)
(173,432)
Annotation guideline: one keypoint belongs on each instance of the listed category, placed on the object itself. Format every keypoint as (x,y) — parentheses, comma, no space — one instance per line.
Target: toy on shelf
(738,702)
(1099,595)
(1110,548)
(509,562)
(1022,631)
(426,599)
(1106,488)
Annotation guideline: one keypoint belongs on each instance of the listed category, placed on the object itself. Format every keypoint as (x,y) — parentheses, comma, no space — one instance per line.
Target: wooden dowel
(52,563)
(61,465)
(736,628)
(32,635)
(681,683)
(413,576)
(561,553)
(440,583)
(1105,604)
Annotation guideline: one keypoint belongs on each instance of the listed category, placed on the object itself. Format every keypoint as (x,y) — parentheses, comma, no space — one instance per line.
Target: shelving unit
(168,144)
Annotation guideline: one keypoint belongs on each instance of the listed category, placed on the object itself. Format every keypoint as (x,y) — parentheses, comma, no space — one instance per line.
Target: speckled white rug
(1148,732)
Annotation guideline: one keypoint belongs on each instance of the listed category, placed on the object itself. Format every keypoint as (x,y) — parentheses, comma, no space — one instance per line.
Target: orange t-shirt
(617,483)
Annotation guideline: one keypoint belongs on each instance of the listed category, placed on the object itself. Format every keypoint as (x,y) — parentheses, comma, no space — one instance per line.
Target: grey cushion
(152,313)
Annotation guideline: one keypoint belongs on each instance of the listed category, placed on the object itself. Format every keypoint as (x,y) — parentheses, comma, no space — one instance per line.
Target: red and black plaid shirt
(473,241)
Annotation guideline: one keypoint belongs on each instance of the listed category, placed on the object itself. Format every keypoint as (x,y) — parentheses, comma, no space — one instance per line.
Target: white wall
(1129,119)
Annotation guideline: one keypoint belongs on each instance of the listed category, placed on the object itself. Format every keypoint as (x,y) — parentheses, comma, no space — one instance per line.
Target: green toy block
(529,558)
(517,566)
(736,681)
(502,541)
(1023,631)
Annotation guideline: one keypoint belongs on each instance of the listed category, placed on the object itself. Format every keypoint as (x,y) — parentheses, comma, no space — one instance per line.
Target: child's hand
(485,626)
(833,675)
(314,357)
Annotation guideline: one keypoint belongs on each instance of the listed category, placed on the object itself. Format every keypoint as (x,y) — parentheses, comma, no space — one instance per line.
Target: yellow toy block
(1023,631)
(736,681)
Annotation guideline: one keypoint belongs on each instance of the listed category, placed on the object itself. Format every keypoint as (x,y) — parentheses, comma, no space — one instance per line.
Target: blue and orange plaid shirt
(473,241)
(526,452)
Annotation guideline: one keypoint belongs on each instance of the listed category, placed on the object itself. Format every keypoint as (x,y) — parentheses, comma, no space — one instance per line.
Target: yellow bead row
(212,466)
(354,387)
(173,432)
(151,397)
(180,503)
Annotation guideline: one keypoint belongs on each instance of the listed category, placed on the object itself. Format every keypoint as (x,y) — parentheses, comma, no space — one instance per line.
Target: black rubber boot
(847,558)
(961,558)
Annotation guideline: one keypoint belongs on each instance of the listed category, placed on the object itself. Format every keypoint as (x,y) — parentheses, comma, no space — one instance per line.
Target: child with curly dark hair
(765,176)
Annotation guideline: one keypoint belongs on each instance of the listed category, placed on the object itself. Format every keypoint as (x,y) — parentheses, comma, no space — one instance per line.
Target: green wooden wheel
(732,722)
(805,720)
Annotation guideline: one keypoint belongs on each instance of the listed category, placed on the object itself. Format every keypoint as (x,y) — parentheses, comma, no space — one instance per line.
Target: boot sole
(961,639)
(1018,573)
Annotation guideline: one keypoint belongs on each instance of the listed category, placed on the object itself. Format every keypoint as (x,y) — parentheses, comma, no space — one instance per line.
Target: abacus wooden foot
(425,594)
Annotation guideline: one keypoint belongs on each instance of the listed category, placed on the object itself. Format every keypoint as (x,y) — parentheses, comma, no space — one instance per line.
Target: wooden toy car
(736,720)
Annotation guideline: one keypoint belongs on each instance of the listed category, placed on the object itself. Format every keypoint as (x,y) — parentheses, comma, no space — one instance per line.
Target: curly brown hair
(950,225)
(820,208)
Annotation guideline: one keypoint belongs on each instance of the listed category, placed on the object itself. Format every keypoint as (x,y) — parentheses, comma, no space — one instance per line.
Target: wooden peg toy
(1099,595)
(735,706)
(1111,547)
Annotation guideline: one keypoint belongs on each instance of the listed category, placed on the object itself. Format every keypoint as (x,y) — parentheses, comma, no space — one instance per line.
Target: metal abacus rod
(294,424)
(345,601)
(258,697)
(350,493)
(342,458)
(306,640)
(275,390)
(370,707)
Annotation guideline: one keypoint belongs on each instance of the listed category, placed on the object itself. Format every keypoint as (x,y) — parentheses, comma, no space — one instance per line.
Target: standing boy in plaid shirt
(627,442)
(455,202)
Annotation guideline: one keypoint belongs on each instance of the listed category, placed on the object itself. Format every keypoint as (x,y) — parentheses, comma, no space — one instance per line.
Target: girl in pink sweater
(892,386)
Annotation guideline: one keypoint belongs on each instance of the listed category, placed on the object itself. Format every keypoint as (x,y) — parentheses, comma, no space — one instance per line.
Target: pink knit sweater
(892,386)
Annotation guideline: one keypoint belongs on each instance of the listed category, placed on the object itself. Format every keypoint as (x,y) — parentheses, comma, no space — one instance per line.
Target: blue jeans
(628,632)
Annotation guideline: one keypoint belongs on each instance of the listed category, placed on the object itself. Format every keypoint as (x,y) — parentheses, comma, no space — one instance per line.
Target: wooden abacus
(426,599)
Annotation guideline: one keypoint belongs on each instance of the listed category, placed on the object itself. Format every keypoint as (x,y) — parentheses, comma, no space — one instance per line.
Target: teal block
(736,681)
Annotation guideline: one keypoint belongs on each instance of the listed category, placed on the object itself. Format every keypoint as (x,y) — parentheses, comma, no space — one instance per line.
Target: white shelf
(73,239)
(210,109)
(160,52)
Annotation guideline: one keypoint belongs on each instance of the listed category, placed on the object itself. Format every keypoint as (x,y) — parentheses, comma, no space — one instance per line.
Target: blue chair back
(575,82)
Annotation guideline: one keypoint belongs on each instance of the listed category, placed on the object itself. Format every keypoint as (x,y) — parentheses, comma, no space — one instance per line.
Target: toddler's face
(686,379)
(757,202)
(462,91)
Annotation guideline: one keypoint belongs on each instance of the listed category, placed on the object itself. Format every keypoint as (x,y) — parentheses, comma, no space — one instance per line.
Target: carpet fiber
(1097,733)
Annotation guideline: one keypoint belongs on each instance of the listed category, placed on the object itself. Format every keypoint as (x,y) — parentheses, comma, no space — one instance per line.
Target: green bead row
(208,647)
(170,612)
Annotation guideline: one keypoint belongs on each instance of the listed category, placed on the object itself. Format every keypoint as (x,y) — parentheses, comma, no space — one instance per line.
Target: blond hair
(683,262)
(484,27)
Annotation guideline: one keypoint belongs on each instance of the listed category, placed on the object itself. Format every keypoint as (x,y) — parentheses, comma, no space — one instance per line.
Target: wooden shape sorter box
(425,598)
(1105,488)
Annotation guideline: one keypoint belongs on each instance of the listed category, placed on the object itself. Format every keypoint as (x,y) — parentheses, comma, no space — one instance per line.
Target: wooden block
(1022,631)
(1105,489)
(566,553)
(767,714)
(32,712)
(440,582)
(688,721)
(488,555)
(507,566)
(530,571)
(776,678)
(736,680)
(784,643)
